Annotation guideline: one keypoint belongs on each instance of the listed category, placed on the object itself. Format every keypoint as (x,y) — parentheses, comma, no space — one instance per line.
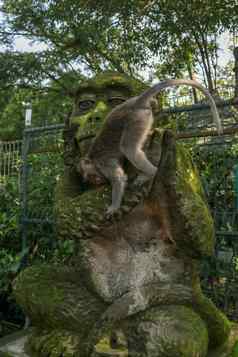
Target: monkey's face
(89,172)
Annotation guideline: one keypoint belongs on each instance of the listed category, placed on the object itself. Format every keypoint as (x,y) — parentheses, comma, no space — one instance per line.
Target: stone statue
(127,290)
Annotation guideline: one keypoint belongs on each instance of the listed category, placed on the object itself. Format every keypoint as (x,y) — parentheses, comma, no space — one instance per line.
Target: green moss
(188,170)
(55,343)
(53,300)
(217,323)
(103,348)
(172,331)
(57,296)
(229,348)
(27,287)
(83,213)
(100,88)
(79,215)
(234,352)
(195,233)
(87,126)
(199,222)
(112,79)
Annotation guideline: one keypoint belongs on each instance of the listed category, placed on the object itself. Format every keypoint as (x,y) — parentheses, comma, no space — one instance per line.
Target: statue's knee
(174,331)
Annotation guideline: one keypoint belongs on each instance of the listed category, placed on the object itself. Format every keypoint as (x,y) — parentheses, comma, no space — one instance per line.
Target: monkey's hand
(101,328)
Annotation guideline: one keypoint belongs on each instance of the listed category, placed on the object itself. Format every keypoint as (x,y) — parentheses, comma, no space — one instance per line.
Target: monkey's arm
(112,170)
(118,187)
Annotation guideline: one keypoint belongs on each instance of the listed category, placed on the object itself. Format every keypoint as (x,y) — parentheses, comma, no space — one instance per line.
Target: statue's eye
(86,104)
(114,101)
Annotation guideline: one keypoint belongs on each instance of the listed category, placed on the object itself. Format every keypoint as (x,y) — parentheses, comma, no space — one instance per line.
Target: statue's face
(91,109)
(96,98)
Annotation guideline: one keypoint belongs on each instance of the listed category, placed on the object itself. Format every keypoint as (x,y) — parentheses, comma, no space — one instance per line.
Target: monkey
(123,135)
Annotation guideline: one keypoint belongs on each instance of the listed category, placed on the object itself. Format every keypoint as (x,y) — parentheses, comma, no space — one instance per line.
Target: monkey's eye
(114,101)
(86,104)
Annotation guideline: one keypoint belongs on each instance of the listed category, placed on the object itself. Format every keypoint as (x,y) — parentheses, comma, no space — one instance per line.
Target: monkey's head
(89,172)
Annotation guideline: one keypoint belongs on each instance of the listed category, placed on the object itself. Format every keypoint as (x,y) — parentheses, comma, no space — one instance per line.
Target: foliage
(185,43)
(40,239)
(123,35)
(218,172)
(78,38)
(37,71)
(47,108)
(10,254)
(40,201)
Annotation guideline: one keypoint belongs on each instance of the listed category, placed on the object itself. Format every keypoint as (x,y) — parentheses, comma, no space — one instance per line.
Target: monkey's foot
(111,211)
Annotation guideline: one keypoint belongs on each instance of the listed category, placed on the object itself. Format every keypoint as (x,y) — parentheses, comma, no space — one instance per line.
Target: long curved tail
(144,97)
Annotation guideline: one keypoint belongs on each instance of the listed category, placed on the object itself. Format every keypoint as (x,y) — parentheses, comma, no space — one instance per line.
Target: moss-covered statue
(125,275)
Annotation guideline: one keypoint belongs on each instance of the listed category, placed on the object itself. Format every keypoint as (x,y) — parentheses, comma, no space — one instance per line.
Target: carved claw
(97,333)
(166,236)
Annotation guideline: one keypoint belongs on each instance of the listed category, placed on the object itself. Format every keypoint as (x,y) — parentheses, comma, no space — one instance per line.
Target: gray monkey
(123,135)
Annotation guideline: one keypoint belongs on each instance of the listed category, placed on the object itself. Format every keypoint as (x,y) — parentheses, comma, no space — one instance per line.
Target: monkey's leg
(138,158)
(115,174)
(132,141)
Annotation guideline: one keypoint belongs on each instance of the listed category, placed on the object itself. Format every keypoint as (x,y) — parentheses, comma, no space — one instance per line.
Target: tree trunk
(192,76)
(236,71)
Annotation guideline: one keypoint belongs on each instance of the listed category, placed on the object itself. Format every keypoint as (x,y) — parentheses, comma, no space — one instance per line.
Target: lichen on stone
(200,226)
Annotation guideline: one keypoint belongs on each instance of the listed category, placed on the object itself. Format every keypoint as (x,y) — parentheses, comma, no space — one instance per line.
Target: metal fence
(10,158)
(217,161)
(41,166)
(177,97)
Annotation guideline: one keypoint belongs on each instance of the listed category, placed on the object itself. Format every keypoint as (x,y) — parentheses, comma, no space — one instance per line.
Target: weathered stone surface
(167,331)
(55,296)
(138,271)
(13,345)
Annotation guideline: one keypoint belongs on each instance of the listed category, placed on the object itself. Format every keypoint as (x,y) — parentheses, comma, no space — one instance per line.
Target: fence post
(235,173)
(23,190)
(236,71)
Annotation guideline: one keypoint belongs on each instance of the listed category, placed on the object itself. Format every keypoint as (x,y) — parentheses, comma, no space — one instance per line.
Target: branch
(53,78)
(197,41)
(26,86)
(13,33)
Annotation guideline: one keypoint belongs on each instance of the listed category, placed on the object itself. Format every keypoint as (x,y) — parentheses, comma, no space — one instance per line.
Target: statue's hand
(100,329)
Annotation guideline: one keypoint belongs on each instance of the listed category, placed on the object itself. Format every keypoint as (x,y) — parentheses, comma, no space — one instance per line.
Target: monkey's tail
(144,97)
